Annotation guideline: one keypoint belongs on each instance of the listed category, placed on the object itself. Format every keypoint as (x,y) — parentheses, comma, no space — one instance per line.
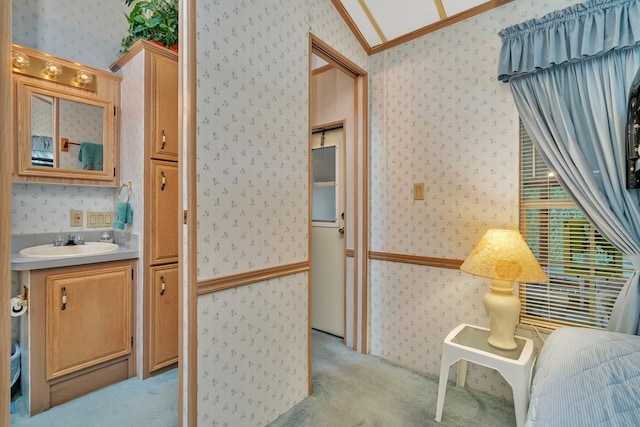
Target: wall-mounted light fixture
(52,69)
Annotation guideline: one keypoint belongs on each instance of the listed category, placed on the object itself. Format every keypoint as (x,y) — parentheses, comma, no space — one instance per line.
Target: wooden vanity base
(92,379)
(88,344)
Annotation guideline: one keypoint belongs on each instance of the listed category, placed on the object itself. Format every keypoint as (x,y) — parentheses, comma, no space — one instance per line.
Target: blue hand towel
(91,156)
(122,215)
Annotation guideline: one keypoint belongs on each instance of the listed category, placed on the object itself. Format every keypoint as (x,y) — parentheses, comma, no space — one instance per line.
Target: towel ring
(128,187)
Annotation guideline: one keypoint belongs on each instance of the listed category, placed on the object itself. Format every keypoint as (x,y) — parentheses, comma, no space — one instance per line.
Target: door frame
(187,204)
(359,310)
(5,201)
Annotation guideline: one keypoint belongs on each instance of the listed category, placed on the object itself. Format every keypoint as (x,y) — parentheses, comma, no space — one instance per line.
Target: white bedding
(586,377)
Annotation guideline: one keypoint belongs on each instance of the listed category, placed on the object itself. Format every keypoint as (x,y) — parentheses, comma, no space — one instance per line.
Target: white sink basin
(50,251)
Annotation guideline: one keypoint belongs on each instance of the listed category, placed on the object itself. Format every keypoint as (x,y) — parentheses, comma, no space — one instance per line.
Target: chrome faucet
(68,240)
(75,239)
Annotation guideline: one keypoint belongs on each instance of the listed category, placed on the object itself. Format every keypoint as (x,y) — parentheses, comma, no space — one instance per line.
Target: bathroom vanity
(79,332)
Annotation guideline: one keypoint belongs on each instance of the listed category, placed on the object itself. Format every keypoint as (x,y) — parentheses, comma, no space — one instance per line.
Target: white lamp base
(503,309)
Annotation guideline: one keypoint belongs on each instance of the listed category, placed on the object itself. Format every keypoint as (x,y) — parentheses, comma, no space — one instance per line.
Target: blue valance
(587,29)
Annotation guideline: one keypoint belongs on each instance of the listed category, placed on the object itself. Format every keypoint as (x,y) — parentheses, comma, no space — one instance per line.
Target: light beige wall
(132,165)
(439,116)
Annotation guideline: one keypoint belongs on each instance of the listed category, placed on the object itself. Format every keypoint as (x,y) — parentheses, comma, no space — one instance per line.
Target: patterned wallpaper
(131,159)
(40,208)
(439,116)
(132,132)
(441,121)
(252,352)
(253,201)
(252,146)
(252,133)
(72,29)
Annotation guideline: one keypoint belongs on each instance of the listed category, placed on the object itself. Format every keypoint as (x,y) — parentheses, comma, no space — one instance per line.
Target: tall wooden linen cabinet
(155,69)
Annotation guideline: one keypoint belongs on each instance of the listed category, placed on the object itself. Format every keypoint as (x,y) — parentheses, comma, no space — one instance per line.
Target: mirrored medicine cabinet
(66,120)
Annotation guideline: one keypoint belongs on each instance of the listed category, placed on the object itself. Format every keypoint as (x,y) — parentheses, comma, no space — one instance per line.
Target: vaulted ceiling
(381,24)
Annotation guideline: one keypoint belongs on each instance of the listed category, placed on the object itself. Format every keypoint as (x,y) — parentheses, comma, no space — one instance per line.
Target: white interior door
(328,247)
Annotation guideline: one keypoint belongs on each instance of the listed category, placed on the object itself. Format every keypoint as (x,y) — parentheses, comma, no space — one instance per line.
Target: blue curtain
(570,73)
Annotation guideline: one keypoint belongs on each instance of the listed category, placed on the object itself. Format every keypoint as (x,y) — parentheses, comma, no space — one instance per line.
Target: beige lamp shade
(504,255)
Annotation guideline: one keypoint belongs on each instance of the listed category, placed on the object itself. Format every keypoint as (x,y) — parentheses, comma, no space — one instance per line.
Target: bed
(586,377)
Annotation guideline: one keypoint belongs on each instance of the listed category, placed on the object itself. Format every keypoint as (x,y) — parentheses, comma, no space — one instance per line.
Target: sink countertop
(127,242)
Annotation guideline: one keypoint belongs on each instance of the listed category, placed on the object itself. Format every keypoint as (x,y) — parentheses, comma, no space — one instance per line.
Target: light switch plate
(75,219)
(418,191)
(99,219)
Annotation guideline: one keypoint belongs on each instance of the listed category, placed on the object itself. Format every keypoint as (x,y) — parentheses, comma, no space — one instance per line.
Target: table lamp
(503,255)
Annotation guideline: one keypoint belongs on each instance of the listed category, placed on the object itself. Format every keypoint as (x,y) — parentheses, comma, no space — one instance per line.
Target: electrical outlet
(76,218)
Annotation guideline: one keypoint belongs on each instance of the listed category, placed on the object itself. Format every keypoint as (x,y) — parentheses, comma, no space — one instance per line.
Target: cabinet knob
(164,181)
(164,139)
(64,298)
(164,285)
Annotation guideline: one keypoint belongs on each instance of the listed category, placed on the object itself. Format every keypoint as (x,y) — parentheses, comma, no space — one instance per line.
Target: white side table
(469,343)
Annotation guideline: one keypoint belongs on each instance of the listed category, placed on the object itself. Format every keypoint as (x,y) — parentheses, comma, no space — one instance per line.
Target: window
(585,271)
(324,207)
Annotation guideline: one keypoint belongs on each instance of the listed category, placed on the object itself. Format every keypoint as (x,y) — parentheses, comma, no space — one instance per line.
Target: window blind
(585,271)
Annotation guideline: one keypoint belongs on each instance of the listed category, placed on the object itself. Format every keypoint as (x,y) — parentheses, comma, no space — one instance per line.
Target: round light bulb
(20,60)
(84,77)
(52,69)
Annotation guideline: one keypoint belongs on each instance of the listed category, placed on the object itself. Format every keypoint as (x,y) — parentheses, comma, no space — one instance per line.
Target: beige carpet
(153,402)
(351,389)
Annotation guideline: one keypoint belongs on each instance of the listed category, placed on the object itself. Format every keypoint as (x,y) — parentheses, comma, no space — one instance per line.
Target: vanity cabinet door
(164,317)
(164,78)
(164,212)
(88,318)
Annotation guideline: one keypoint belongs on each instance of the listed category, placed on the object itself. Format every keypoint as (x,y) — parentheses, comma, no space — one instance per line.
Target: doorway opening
(338,109)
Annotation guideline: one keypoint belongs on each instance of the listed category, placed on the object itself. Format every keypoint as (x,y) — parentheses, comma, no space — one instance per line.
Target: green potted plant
(153,20)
